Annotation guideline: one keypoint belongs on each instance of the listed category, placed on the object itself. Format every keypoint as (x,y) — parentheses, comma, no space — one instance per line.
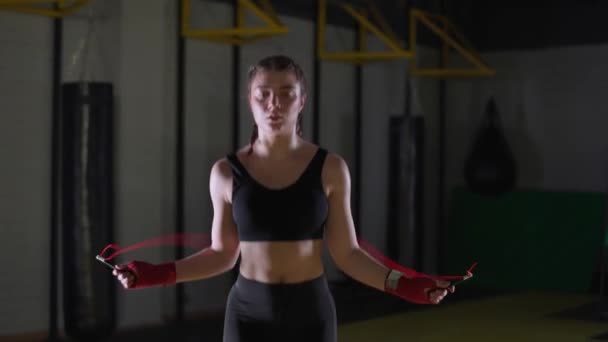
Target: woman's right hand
(124,276)
(139,274)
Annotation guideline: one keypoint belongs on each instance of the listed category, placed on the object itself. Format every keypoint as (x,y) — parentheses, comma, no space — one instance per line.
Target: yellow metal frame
(64,7)
(450,36)
(387,36)
(240,34)
(463,47)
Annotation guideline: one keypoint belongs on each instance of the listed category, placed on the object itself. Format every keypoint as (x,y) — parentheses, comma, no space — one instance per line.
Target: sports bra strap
(316,164)
(238,169)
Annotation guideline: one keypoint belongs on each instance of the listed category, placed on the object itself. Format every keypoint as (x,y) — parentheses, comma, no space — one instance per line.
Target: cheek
(295,103)
(256,105)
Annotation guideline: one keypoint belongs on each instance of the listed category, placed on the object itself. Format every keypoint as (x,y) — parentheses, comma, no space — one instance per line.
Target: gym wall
(133,46)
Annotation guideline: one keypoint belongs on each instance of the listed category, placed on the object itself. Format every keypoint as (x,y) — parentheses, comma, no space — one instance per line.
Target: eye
(261,94)
(287,94)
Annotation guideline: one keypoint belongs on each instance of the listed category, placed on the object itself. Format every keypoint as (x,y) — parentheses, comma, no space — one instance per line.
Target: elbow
(226,255)
(232,261)
(343,259)
(232,256)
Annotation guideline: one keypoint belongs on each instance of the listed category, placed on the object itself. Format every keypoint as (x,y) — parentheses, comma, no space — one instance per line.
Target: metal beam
(60,9)
(240,33)
(179,156)
(55,198)
(395,50)
(446,33)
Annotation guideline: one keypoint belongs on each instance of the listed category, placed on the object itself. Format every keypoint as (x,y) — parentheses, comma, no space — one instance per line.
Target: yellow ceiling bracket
(241,33)
(379,18)
(395,50)
(451,39)
(43,8)
(24,2)
(269,11)
(362,43)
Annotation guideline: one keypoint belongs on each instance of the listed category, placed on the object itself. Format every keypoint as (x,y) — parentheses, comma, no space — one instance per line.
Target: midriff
(281,261)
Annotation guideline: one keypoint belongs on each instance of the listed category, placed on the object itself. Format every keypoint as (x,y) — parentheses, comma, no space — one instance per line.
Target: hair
(276,63)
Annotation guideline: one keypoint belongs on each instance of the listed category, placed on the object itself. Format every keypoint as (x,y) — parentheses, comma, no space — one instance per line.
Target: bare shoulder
(335,163)
(221,170)
(220,180)
(335,172)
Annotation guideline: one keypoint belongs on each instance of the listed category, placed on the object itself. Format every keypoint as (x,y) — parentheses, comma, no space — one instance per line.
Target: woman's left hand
(437,294)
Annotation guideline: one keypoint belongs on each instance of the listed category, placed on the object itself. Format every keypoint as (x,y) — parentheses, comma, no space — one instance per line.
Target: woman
(275,202)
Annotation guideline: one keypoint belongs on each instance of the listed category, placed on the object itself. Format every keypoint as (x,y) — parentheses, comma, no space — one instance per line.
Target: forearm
(204,264)
(360,266)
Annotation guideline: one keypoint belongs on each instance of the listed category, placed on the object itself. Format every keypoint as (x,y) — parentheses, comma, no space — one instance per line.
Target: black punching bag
(87,209)
(490,168)
(405,189)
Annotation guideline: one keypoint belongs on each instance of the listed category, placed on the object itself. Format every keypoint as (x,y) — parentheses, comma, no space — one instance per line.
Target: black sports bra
(295,212)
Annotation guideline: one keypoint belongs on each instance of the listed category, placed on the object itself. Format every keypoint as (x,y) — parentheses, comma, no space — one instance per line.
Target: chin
(278,131)
(276,128)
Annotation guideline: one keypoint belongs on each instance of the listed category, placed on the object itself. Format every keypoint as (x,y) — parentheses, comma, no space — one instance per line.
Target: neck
(276,146)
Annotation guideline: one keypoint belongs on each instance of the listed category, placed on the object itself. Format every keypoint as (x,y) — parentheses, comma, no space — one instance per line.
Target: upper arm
(224,236)
(340,232)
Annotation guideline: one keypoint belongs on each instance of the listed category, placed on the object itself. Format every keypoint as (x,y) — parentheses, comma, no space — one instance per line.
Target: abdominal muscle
(281,261)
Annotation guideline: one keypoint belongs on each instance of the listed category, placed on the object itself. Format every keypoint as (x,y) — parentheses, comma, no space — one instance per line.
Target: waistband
(253,286)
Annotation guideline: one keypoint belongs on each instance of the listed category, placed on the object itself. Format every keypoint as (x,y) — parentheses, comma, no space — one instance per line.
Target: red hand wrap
(414,290)
(148,275)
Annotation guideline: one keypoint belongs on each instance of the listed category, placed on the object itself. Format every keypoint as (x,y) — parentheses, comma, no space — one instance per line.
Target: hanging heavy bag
(87,209)
(490,168)
(404,218)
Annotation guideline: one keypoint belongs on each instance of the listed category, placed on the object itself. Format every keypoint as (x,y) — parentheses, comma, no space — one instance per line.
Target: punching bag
(490,168)
(87,208)
(405,189)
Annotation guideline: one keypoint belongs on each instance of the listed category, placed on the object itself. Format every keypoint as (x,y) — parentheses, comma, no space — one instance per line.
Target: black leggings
(280,312)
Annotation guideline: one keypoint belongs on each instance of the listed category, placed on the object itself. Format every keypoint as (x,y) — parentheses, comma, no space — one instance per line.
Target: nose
(274,101)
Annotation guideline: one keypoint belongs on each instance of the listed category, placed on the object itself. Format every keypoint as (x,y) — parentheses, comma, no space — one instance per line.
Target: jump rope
(200,241)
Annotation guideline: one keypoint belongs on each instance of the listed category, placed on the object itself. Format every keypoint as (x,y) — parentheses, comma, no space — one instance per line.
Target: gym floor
(367,315)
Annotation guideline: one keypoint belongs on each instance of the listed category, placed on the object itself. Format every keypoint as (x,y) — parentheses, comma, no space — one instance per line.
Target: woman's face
(276,99)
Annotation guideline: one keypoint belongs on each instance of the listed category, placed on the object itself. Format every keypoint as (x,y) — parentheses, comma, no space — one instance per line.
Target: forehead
(275,79)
